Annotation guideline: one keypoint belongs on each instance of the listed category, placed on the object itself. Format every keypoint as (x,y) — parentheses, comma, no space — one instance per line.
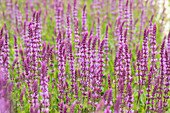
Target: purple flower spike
(153,52)
(72,109)
(145,52)
(126,15)
(117,104)
(106,47)
(110,98)
(162,69)
(65,108)
(168,44)
(167,78)
(71,61)
(100,67)
(84,63)
(75,12)
(35,97)
(44,88)
(84,15)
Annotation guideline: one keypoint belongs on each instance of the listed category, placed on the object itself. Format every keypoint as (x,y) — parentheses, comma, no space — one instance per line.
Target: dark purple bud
(1,42)
(84,8)
(1,33)
(152,17)
(15,39)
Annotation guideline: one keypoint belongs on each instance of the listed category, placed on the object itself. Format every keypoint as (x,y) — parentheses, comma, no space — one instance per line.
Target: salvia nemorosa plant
(83,57)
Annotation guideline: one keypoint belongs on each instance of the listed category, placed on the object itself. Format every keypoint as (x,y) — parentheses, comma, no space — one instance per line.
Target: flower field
(84,56)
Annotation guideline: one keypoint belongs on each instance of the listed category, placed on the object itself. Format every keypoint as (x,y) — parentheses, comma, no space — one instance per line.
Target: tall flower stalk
(44,87)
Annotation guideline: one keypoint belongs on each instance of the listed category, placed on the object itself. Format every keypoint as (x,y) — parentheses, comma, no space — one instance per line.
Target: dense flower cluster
(83,56)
